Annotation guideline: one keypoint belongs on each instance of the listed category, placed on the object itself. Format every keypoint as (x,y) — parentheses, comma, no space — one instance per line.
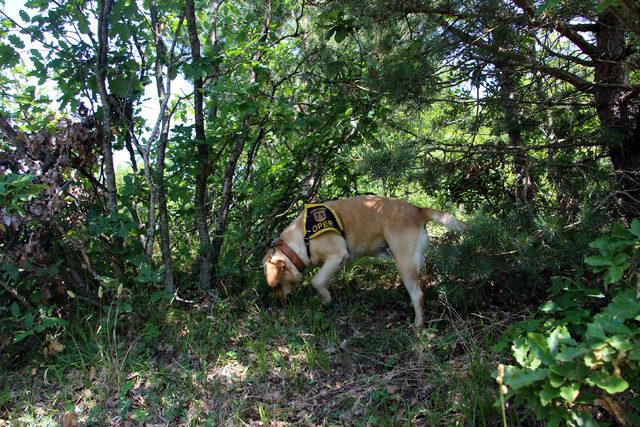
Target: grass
(245,358)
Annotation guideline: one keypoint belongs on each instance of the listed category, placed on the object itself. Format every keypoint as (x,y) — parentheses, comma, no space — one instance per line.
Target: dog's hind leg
(408,249)
(321,280)
(410,277)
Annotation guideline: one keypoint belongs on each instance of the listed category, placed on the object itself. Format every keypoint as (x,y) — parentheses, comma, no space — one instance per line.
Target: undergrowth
(244,358)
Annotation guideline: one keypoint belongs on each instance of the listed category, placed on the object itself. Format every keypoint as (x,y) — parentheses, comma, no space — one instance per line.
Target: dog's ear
(274,272)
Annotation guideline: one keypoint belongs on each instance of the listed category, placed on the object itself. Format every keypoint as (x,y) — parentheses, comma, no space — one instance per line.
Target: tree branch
(22,300)
(566,30)
(13,136)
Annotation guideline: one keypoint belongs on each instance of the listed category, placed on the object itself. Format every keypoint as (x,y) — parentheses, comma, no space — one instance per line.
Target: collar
(289,253)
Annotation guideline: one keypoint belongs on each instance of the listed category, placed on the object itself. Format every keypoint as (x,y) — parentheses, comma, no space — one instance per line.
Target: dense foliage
(150,151)
(581,351)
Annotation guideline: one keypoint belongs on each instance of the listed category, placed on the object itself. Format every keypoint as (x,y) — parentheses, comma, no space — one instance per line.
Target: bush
(511,260)
(583,352)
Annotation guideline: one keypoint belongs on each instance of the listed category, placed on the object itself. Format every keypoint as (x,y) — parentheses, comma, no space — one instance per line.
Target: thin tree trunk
(128,117)
(163,99)
(506,77)
(15,294)
(227,191)
(146,154)
(157,190)
(104,7)
(202,157)
(165,243)
(227,186)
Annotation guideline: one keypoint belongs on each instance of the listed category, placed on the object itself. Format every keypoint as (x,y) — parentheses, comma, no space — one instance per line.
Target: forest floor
(247,360)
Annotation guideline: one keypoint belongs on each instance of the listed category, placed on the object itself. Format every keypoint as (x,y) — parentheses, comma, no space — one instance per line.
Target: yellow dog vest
(319,219)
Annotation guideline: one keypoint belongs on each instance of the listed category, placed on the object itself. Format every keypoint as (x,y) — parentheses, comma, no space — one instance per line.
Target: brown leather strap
(290,253)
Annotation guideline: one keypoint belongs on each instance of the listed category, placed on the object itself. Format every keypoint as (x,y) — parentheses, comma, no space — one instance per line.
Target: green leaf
(570,392)
(518,378)
(602,326)
(121,29)
(341,34)
(547,394)
(15,310)
(520,349)
(555,380)
(22,335)
(620,259)
(609,383)
(624,306)
(121,85)
(28,320)
(567,354)
(598,261)
(16,41)
(550,307)
(559,335)
(572,371)
(49,322)
(8,56)
(125,307)
(329,33)
(83,25)
(635,227)
(613,274)
(24,16)
(544,6)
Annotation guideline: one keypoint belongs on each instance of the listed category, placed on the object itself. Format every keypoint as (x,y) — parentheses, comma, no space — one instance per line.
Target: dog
(371,226)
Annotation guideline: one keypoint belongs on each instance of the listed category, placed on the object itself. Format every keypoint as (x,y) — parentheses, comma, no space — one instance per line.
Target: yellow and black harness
(319,219)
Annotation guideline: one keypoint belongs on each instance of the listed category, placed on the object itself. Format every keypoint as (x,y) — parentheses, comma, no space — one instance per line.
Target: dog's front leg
(328,269)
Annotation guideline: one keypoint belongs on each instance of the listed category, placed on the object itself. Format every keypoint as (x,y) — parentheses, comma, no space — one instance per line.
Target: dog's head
(280,273)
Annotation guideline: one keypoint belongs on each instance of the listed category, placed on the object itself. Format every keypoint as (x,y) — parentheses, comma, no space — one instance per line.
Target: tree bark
(202,158)
(227,192)
(128,117)
(619,118)
(104,8)
(507,80)
(165,241)
(164,94)
(157,188)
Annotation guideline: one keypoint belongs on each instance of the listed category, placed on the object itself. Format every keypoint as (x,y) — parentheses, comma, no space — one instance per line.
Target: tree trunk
(202,157)
(157,190)
(104,7)
(523,191)
(165,243)
(618,118)
(227,186)
(227,192)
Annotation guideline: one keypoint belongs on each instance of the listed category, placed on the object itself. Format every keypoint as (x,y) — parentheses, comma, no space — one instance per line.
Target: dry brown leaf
(70,420)
(55,347)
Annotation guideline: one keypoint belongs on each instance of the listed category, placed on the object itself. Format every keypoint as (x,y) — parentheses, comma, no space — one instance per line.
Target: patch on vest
(319,219)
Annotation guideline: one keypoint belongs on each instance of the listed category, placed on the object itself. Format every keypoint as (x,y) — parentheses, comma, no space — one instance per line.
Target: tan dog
(373,226)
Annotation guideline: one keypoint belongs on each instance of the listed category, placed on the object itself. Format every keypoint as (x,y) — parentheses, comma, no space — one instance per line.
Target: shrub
(509,260)
(583,352)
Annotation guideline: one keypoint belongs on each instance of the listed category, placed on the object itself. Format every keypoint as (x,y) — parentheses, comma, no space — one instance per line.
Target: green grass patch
(244,358)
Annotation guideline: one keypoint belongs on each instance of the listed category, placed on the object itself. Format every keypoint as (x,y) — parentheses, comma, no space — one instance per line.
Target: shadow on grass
(247,359)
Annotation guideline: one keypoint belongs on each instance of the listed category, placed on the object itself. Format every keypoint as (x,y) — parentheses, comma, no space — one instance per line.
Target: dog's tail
(443,218)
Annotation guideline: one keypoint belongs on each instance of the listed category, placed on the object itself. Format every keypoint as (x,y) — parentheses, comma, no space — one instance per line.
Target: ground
(246,359)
